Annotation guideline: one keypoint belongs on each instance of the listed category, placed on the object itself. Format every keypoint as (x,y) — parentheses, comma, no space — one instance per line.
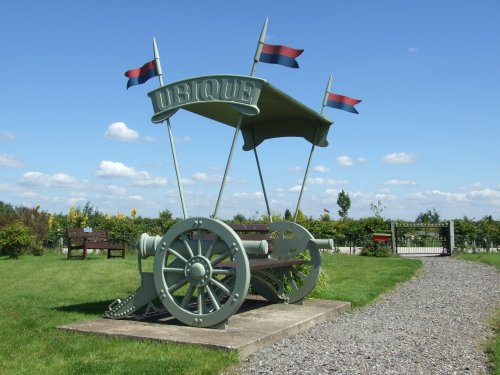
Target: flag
(282,55)
(140,75)
(326,211)
(342,102)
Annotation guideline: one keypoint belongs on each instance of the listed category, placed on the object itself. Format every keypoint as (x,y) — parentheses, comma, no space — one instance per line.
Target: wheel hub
(198,270)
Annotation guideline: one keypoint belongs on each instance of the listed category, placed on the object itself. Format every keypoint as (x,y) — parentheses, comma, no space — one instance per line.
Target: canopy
(264,111)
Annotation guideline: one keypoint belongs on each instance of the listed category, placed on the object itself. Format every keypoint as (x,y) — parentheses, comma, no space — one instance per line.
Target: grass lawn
(40,293)
(494,346)
(360,279)
(488,258)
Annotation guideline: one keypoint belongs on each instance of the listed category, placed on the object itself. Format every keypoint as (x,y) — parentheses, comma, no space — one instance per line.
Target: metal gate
(423,238)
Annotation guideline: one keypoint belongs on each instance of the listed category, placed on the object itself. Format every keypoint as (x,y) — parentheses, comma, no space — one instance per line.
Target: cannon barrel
(148,245)
(326,244)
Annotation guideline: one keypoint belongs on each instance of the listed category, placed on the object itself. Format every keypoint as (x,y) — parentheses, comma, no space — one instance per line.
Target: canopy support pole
(169,128)
(305,176)
(177,174)
(261,178)
(240,119)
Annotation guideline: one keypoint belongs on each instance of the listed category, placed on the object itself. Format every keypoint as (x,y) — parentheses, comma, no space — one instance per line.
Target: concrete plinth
(258,324)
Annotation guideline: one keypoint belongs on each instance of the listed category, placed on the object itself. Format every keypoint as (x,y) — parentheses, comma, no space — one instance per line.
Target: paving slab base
(258,324)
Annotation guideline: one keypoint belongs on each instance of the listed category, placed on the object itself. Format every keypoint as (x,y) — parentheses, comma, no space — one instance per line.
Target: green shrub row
(47,230)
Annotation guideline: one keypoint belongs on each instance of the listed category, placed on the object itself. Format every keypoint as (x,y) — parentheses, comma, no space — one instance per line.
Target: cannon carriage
(203,267)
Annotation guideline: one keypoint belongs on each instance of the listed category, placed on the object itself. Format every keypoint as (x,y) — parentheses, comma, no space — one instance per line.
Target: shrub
(15,238)
(38,250)
(375,249)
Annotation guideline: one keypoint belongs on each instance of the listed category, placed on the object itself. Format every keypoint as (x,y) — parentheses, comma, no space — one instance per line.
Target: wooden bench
(259,232)
(88,238)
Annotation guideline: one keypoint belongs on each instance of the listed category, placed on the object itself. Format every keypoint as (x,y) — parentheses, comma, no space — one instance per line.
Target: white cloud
(205,177)
(439,196)
(40,179)
(399,158)
(150,180)
(345,161)
(325,181)
(295,189)
(7,135)
(400,183)
(321,169)
(118,131)
(256,194)
(117,169)
(7,160)
(187,181)
(488,194)
(63,179)
(116,190)
(135,197)
(412,49)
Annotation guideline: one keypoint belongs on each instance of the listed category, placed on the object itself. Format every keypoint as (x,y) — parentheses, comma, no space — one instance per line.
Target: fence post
(393,237)
(452,236)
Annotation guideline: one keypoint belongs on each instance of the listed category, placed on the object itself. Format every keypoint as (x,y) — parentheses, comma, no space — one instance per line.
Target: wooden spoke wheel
(201,272)
(293,283)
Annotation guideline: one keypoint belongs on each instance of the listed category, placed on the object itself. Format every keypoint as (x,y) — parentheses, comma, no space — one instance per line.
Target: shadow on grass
(90,308)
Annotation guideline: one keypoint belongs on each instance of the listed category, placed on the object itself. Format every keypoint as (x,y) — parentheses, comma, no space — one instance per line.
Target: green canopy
(265,111)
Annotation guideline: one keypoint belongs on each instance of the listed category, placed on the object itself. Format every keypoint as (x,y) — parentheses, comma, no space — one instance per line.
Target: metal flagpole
(327,91)
(259,47)
(240,120)
(312,151)
(305,176)
(261,178)
(170,135)
(258,51)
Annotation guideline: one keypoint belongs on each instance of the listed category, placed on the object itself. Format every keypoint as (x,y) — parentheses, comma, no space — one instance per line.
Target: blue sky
(427,135)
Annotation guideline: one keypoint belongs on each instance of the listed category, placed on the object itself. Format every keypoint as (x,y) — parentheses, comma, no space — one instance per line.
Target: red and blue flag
(140,75)
(282,55)
(342,102)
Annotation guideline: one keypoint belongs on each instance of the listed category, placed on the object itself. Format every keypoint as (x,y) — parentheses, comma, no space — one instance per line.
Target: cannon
(203,267)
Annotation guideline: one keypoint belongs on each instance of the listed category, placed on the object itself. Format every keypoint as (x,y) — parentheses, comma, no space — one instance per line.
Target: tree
(6,208)
(325,217)
(15,239)
(288,215)
(239,218)
(377,208)
(428,217)
(344,202)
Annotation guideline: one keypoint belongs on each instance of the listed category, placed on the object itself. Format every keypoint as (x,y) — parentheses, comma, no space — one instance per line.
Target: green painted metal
(228,164)
(260,44)
(291,240)
(170,135)
(145,294)
(201,270)
(193,282)
(266,110)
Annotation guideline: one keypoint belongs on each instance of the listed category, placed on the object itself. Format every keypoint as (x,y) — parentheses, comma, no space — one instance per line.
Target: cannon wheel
(201,272)
(289,284)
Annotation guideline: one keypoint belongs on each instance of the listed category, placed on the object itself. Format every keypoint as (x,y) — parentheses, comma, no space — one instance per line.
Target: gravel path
(432,324)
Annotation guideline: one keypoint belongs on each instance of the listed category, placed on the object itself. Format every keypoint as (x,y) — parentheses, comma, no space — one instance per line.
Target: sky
(426,137)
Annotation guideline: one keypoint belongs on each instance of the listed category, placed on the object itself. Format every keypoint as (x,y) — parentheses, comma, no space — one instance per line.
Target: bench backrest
(75,236)
(253,232)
